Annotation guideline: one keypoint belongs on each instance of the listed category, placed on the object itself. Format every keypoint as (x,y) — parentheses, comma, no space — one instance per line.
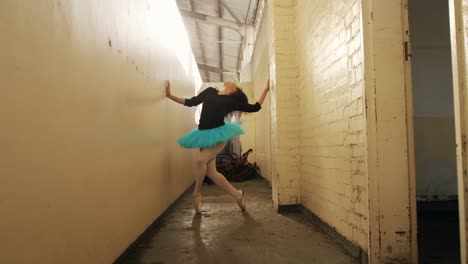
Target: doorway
(434,132)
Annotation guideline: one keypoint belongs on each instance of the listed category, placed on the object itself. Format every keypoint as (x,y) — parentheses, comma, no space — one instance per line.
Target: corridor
(223,234)
(361,129)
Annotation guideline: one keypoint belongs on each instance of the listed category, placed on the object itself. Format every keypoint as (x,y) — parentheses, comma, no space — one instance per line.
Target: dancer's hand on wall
(171,96)
(168,88)
(265,92)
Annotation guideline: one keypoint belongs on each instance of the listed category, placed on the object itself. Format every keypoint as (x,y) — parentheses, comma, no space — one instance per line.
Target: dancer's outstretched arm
(173,97)
(264,94)
(251,108)
(194,101)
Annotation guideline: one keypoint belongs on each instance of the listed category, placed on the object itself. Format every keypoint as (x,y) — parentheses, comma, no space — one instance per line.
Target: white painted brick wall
(285,113)
(332,125)
(317,125)
(260,61)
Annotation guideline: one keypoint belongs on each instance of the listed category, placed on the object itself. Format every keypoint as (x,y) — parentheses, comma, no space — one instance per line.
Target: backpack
(237,169)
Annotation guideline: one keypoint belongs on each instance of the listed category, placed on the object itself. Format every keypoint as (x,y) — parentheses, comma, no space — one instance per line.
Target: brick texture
(316,116)
(285,108)
(331,117)
(260,62)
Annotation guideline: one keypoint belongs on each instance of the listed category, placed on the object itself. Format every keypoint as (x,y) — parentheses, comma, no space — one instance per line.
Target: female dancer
(212,133)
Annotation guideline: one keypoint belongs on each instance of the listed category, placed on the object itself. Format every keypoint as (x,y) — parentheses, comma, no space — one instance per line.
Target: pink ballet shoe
(241,201)
(197,203)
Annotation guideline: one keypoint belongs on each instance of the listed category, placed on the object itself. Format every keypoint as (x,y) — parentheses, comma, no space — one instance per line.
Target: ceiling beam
(197,31)
(239,55)
(213,20)
(210,68)
(233,14)
(250,36)
(220,38)
(205,67)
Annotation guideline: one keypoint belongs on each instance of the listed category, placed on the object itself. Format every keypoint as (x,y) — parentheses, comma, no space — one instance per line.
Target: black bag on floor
(237,169)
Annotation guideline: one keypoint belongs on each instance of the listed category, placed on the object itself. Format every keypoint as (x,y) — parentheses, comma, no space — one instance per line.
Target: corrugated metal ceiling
(216,41)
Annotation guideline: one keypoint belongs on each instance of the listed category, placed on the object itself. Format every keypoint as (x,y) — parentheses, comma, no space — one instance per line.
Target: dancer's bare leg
(200,170)
(221,181)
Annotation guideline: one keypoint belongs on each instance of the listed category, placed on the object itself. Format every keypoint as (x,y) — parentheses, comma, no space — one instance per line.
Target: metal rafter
(220,38)
(197,31)
(213,20)
(214,44)
(233,14)
(208,68)
(236,17)
(244,40)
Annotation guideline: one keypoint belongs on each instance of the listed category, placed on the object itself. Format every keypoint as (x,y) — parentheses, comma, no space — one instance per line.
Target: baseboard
(350,246)
(288,208)
(263,179)
(149,232)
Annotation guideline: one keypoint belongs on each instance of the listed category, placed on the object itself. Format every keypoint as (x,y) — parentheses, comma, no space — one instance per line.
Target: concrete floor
(224,234)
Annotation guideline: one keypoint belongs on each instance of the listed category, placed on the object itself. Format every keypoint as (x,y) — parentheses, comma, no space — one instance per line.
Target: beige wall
(283,109)
(312,52)
(332,124)
(433,100)
(260,71)
(88,151)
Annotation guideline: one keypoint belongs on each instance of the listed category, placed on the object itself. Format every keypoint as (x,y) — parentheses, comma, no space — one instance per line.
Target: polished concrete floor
(224,234)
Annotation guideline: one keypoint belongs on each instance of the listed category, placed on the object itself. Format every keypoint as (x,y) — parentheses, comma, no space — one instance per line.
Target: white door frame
(390,150)
(458,31)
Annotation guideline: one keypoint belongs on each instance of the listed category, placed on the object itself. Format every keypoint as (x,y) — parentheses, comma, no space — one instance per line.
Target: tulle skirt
(210,137)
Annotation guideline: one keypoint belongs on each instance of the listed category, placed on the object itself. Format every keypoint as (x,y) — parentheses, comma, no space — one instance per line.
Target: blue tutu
(210,137)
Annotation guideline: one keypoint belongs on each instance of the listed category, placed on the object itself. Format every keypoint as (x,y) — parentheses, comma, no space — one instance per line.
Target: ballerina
(213,133)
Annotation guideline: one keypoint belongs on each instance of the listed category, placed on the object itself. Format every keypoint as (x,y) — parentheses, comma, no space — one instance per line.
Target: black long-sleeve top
(216,107)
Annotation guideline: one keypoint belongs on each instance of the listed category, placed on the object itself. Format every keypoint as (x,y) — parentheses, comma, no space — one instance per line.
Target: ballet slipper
(197,203)
(241,201)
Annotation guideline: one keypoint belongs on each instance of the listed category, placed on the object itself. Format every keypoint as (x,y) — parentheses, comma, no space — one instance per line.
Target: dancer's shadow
(200,248)
(206,252)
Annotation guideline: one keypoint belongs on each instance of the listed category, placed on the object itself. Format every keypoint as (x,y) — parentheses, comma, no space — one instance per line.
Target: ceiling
(216,29)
